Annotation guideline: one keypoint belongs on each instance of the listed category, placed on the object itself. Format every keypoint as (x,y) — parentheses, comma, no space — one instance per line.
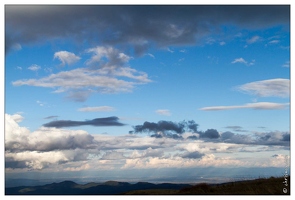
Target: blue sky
(118,87)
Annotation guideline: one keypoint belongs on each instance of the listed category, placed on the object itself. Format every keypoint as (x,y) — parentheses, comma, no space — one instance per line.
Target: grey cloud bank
(133,25)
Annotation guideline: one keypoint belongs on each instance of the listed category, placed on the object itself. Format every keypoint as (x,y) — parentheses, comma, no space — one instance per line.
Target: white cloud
(151,55)
(66,57)
(163,112)
(80,83)
(16,47)
(255,106)
(222,43)
(17,118)
(253,39)
(50,149)
(110,76)
(171,51)
(34,67)
(178,162)
(243,61)
(97,109)
(114,57)
(19,68)
(287,64)
(274,42)
(44,139)
(267,88)
(40,103)
(239,60)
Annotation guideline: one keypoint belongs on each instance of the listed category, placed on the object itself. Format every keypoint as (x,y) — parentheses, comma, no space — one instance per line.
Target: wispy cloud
(274,42)
(150,55)
(286,64)
(79,83)
(222,43)
(51,117)
(97,109)
(243,61)
(236,128)
(34,67)
(267,88)
(253,39)
(239,60)
(66,57)
(114,56)
(171,51)
(163,112)
(255,106)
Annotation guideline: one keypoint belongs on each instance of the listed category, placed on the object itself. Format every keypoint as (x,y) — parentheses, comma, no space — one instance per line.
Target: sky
(151,93)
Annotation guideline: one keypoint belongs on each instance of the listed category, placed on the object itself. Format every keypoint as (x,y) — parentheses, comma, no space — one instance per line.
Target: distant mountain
(72,188)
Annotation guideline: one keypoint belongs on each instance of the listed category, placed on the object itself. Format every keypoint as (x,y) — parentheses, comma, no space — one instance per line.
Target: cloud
(150,55)
(51,117)
(44,139)
(274,42)
(108,121)
(113,155)
(52,149)
(253,39)
(255,106)
(163,112)
(166,128)
(239,60)
(258,138)
(209,133)
(40,103)
(278,87)
(34,67)
(236,128)
(287,64)
(222,43)
(17,118)
(192,155)
(138,26)
(66,57)
(81,82)
(97,109)
(113,56)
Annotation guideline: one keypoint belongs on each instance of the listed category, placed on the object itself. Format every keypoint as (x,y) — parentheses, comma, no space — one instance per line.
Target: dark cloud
(166,128)
(268,138)
(138,26)
(13,164)
(210,133)
(51,117)
(167,135)
(193,137)
(192,155)
(236,128)
(108,121)
(286,137)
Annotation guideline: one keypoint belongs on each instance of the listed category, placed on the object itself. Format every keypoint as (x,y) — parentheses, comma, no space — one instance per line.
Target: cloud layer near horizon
(54,149)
